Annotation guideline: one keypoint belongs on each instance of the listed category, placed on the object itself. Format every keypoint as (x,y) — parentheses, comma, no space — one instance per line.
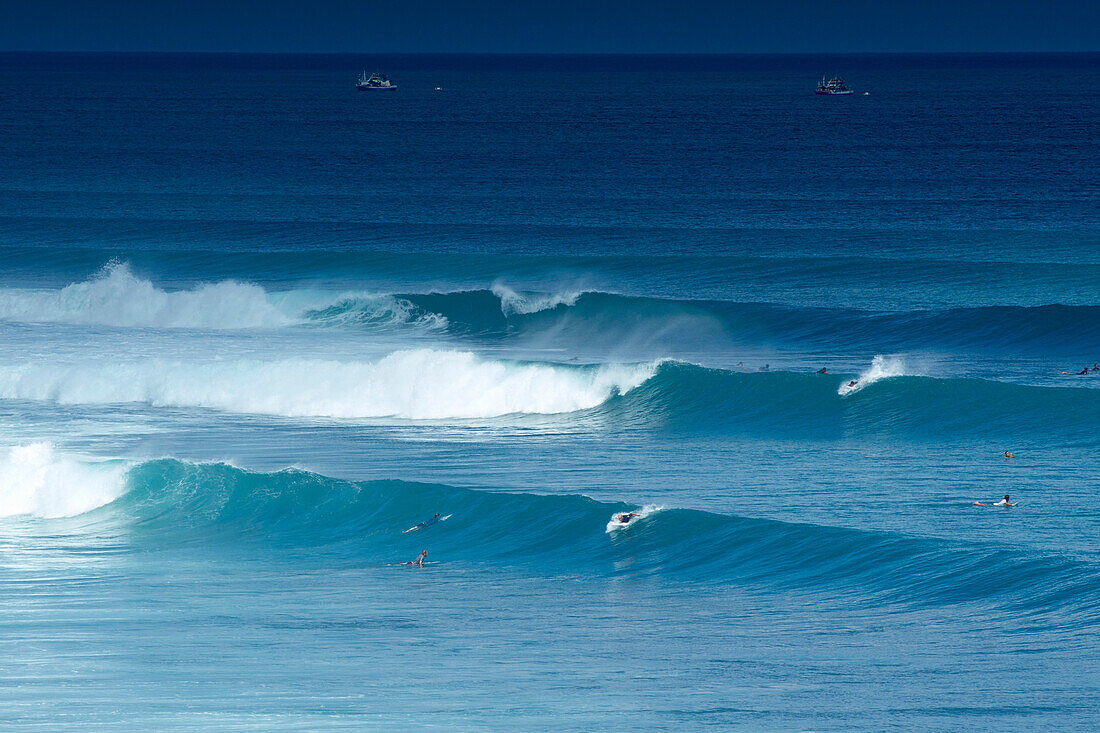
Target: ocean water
(254,324)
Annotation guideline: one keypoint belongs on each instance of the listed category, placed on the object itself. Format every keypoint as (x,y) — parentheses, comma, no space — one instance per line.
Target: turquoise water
(256,324)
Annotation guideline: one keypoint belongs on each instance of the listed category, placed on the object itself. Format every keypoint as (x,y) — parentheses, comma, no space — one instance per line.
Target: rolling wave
(1058,328)
(439,385)
(692,398)
(117,297)
(171,502)
(422,384)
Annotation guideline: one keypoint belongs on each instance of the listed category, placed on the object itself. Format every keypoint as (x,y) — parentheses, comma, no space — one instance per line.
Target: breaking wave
(172,502)
(36,479)
(422,384)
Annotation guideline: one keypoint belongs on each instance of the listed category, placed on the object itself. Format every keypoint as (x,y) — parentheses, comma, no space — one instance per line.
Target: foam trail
(35,479)
(882,367)
(417,384)
(513,303)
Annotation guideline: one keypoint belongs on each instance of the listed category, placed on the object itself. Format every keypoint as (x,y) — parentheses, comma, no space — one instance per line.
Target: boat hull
(824,93)
(375,89)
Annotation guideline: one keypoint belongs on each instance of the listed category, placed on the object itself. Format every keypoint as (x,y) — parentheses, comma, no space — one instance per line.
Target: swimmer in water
(419,561)
(1009,454)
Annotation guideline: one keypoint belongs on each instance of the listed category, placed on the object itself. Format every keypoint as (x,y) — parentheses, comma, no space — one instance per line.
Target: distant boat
(833,86)
(374,81)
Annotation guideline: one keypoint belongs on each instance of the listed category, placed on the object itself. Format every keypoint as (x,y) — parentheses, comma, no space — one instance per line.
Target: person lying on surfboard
(422,525)
(419,561)
(1003,502)
(628,517)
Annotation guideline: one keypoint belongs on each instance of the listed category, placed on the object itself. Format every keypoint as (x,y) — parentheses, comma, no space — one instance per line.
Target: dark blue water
(255,323)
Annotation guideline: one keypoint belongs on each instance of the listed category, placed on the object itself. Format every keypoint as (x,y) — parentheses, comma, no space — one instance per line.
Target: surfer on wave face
(628,517)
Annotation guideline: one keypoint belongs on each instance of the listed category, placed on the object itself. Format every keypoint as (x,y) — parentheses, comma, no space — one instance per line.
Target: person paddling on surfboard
(422,525)
(823,370)
(628,517)
(419,561)
(1003,502)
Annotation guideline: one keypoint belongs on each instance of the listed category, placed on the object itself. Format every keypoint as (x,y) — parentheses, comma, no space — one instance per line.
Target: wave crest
(421,384)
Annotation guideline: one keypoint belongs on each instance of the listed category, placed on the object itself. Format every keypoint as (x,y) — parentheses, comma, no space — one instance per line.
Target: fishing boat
(374,81)
(833,86)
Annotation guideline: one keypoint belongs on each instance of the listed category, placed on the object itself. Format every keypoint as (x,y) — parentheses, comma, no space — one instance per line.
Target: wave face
(689,397)
(174,502)
(422,384)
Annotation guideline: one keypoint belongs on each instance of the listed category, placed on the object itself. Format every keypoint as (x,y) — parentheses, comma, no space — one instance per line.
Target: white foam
(882,367)
(513,303)
(36,479)
(418,384)
(614,524)
(117,297)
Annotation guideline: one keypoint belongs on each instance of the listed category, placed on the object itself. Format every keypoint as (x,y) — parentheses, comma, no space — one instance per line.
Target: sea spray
(882,367)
